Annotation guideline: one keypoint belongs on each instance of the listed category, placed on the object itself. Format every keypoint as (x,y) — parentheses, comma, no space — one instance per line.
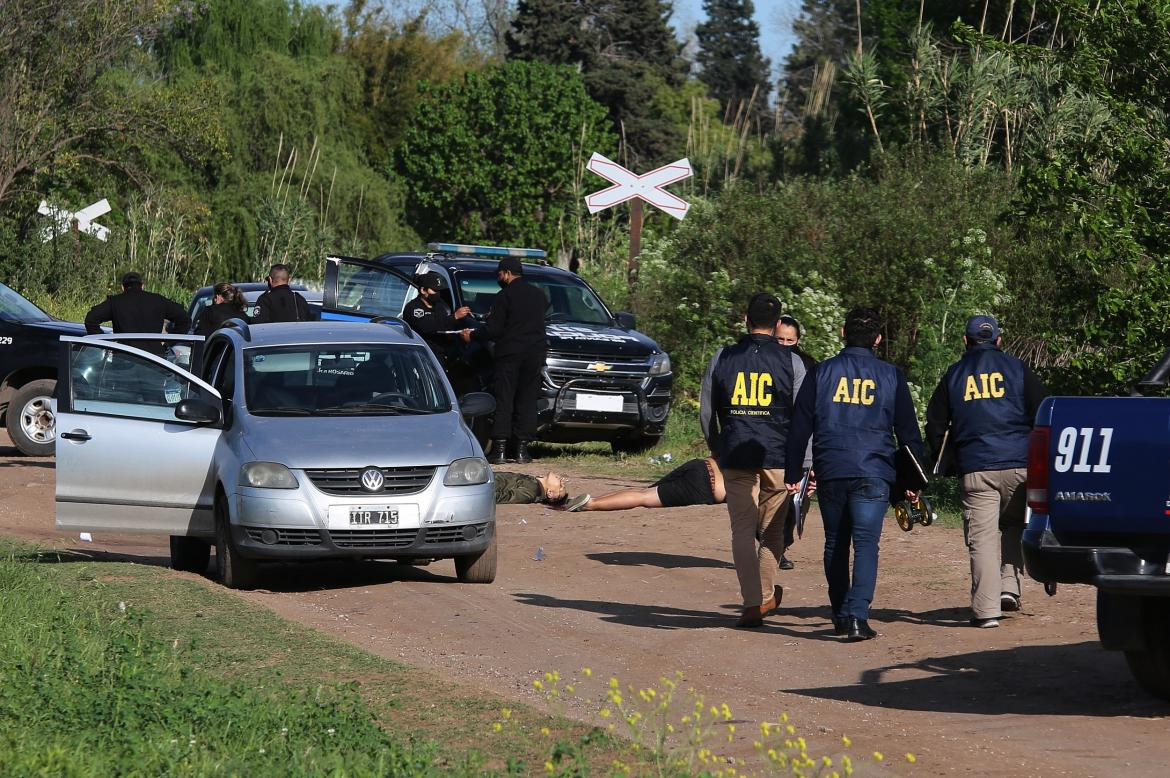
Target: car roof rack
(396,321)
(241,325)
(467,250)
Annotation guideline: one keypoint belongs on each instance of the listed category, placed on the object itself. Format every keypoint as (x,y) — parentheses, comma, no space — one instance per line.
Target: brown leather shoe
(754,616)
(773,602)
(751,617)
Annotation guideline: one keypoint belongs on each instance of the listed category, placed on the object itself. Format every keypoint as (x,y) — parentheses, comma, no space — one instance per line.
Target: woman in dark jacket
(227,303)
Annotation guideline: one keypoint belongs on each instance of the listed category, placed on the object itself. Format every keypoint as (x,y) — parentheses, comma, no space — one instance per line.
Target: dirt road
(644,593)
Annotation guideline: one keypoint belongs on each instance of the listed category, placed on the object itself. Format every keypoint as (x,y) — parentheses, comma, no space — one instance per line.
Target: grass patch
(112,668)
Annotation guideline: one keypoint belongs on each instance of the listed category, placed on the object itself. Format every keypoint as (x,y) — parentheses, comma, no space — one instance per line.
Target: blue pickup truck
(1099,493)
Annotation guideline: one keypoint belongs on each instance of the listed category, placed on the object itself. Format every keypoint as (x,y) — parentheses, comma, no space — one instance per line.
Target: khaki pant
(756,503)
(993,521)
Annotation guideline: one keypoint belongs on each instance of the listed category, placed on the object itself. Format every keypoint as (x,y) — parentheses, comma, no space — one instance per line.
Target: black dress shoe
(840,625)
(497,457)
(859,629)
(786,563)
(522,455)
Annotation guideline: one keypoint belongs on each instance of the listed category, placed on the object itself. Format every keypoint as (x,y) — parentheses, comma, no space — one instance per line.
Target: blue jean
(852,510)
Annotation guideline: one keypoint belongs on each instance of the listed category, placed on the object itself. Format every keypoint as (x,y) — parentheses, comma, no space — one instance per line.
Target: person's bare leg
(625,499)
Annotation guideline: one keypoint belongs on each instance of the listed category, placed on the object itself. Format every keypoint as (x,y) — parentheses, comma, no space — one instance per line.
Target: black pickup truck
(28,371)
(1099,493)
(603,380)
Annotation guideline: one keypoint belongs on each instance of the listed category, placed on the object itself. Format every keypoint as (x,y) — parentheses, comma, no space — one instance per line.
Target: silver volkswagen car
(304,441)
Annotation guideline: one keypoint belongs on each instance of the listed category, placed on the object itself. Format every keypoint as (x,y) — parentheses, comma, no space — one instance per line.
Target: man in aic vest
(745,406)
(853,407)
(979,418)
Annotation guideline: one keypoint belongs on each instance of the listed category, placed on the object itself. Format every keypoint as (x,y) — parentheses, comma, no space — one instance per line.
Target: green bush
(917,237)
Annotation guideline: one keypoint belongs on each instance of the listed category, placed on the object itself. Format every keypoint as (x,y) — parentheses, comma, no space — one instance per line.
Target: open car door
(124,461)
(359,290)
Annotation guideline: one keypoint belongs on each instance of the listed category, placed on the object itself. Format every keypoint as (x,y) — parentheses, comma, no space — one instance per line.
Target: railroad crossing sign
(628,185)
(63,220)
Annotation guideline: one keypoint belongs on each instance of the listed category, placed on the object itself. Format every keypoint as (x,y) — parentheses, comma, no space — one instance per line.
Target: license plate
(365,518)
(609,403)
(399,516)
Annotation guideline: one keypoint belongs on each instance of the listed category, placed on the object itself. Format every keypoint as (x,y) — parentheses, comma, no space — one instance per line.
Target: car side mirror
(197,411)
(475,404)
(625,320)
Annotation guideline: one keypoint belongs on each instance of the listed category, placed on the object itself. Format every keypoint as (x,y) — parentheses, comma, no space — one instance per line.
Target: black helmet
(430,280)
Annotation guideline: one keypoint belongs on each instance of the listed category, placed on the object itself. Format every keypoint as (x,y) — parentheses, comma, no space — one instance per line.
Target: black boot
(496,457)
(522,455)
(859,629)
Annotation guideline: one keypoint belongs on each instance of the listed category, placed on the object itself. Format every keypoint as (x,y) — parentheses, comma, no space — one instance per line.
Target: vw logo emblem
(372,479)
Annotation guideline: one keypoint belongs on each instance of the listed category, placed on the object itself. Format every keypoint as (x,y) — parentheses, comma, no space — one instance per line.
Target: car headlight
(267,475)
(467,472)
(660,364)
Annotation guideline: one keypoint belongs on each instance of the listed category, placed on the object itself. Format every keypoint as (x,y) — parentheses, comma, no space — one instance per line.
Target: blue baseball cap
(982,328)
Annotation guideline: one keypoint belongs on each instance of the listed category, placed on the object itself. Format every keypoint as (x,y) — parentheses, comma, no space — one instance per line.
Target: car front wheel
(478,568)
(232,570)
(30,418)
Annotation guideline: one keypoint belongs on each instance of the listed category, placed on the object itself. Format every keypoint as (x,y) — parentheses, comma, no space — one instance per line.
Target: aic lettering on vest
(752,389)
(858,391)
(983,386)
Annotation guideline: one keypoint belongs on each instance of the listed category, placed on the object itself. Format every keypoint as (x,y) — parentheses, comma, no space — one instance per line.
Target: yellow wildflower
(878,755)
(911,758)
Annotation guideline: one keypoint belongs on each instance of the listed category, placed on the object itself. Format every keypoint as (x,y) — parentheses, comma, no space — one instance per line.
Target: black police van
(28,371)
(603,379)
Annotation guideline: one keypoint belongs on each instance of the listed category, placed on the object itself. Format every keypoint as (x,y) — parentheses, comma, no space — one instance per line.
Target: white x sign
(63,220)
(628,185)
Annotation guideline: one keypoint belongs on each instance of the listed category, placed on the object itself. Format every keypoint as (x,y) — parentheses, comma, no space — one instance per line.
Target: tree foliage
(627,53)
(75,83)
(497,155)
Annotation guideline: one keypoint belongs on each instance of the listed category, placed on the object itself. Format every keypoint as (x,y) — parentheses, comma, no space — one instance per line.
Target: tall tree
(730,61)
(75,82)
(494,156)
(625,49)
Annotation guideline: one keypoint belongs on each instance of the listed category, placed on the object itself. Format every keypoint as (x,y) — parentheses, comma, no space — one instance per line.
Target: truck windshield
(350,380)
(13,307)
(568,300)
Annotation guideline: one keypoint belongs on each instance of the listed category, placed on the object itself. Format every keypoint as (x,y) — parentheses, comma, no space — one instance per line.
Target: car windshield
(352,380)
(13,307)
(568,298)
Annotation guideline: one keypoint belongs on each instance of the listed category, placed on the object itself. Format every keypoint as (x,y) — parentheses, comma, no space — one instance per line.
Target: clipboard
(798,503)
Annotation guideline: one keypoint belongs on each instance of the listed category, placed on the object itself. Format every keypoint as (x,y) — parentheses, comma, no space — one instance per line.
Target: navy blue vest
(989,416)
(853,434)
(752,394)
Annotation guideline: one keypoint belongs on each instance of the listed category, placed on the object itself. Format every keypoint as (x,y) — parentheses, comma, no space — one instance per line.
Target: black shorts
(687,484)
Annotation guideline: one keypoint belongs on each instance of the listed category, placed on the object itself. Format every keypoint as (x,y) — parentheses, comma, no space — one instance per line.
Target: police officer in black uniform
(430,316)
(850,409)
(516,324)
(745,406)
(280,303)
(137,310)
(983,409)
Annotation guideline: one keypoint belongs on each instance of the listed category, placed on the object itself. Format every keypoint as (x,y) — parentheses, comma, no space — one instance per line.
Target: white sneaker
(984,623)
(577,503)
(1009,602)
